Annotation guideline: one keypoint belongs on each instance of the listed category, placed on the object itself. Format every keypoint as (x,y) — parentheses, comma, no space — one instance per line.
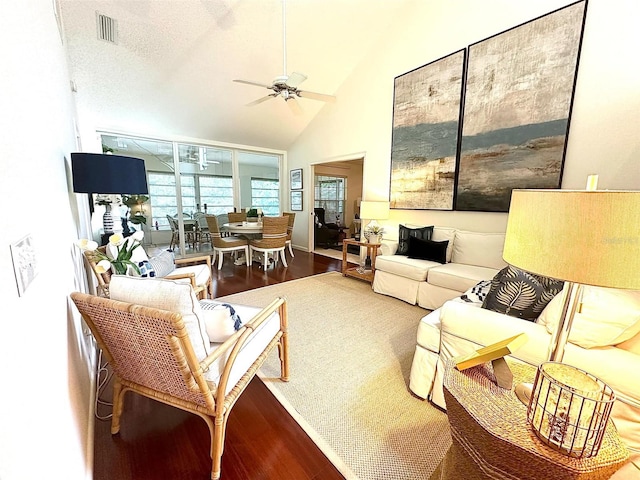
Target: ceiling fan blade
(260,100)
(296,79)
(294,106)
(256,84)
(316,96)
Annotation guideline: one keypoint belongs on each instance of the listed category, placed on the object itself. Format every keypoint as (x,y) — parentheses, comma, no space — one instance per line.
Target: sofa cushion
(520,294)
(164,294)
(440,234)
(428,250)
(412,268)
(607,316)
(404,232)
(201,272)
(458,277)
(428,335)
(481,249)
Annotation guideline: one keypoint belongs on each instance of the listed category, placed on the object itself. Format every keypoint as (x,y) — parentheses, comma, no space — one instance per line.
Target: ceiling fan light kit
(286,86)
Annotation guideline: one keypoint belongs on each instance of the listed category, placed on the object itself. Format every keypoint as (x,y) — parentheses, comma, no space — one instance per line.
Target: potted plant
(132,201)
(374,233)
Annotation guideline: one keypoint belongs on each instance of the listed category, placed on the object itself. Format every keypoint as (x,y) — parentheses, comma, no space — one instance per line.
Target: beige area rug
(350,355)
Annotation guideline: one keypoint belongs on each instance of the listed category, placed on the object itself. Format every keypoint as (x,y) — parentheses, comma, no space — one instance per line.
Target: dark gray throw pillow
(520,294)
(428,250)
(423,233)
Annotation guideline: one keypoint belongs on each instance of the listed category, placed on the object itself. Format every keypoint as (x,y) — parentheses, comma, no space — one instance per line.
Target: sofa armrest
(388,247)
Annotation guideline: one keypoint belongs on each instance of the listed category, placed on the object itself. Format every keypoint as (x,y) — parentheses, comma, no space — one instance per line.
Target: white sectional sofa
(470,256)
(458,327)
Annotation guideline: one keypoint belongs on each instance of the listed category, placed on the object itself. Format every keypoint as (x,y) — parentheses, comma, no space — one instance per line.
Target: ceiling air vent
(107,28)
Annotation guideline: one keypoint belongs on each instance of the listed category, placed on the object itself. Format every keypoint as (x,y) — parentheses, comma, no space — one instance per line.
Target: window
(216,194)
(330,194)
(265,195)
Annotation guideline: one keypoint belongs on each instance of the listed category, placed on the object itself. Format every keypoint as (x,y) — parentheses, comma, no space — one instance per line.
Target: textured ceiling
(172,69)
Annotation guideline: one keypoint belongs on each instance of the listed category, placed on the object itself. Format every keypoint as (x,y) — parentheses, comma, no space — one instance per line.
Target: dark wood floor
(158,442)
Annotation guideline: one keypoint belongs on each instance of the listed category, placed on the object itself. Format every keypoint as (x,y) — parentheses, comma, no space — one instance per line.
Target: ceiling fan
(286,86)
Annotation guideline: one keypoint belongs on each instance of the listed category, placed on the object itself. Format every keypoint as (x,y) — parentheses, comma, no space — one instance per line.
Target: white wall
(45,423)
(603,136)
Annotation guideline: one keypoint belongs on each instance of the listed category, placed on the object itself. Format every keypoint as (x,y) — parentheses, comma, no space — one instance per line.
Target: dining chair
(203,235)
(292,217)
(175,238)
(221,244)
(274,239)
(235,217)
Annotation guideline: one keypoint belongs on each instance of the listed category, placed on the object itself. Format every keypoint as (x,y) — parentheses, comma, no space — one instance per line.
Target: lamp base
(523,391)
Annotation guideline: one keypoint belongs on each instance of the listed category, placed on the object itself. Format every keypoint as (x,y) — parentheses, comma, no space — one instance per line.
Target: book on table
(491,352)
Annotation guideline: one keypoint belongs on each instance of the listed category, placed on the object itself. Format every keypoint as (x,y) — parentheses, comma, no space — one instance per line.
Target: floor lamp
(583,237)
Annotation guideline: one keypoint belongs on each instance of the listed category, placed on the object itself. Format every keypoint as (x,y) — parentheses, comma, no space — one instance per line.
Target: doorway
(341,179)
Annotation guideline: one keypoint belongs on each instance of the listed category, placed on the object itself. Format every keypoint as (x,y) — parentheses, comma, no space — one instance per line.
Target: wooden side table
(358,272)
(492,439)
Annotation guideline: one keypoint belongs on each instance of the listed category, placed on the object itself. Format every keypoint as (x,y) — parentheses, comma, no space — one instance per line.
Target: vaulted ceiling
(171,70)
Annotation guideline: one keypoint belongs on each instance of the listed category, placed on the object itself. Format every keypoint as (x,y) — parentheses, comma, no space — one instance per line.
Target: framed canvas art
(426,117)
(517,106)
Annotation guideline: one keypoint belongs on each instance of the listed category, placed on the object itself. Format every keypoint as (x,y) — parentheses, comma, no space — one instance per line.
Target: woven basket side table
(492,439)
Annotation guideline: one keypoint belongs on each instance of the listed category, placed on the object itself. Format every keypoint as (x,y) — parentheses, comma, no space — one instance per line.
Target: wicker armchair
(274,239)
(191,269)
(151,353)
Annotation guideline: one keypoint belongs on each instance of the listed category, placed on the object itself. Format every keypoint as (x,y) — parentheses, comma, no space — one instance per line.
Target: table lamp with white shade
(373,211)
(583,237)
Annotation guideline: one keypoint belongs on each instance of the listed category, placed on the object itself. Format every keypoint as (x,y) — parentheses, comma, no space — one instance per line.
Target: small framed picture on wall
(296,201)
(296,179)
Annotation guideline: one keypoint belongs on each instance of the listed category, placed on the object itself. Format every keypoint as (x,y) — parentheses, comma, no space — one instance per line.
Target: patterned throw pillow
(163,263)
(146,269)
(477,293)
(520,294)
(423,233)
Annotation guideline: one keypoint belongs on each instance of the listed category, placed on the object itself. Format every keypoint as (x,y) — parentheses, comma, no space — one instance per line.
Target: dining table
(249,230)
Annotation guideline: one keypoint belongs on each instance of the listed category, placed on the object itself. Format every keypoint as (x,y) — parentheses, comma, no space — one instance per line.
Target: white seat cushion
(201,272)
(459,277)
(252,348)
(412,268)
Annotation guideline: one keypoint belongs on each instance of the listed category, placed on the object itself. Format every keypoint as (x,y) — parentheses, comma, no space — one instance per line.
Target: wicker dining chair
(221,244)
(292,218)
(151,353)
(274,239)
(237,217)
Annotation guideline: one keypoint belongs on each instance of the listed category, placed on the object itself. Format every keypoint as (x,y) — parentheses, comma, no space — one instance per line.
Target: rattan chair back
(292,217)
(236,217)
(274,232)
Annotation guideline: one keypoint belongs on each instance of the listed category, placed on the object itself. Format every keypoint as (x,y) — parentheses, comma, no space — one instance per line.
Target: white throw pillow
(608,316)
(440,234)
(481,249)
(219,320)
(164,294)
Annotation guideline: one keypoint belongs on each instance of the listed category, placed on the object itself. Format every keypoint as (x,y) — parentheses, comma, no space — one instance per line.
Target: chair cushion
(201,272)
(165,294)
(607,316)
(520,294)
(404,232)
(440,234)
